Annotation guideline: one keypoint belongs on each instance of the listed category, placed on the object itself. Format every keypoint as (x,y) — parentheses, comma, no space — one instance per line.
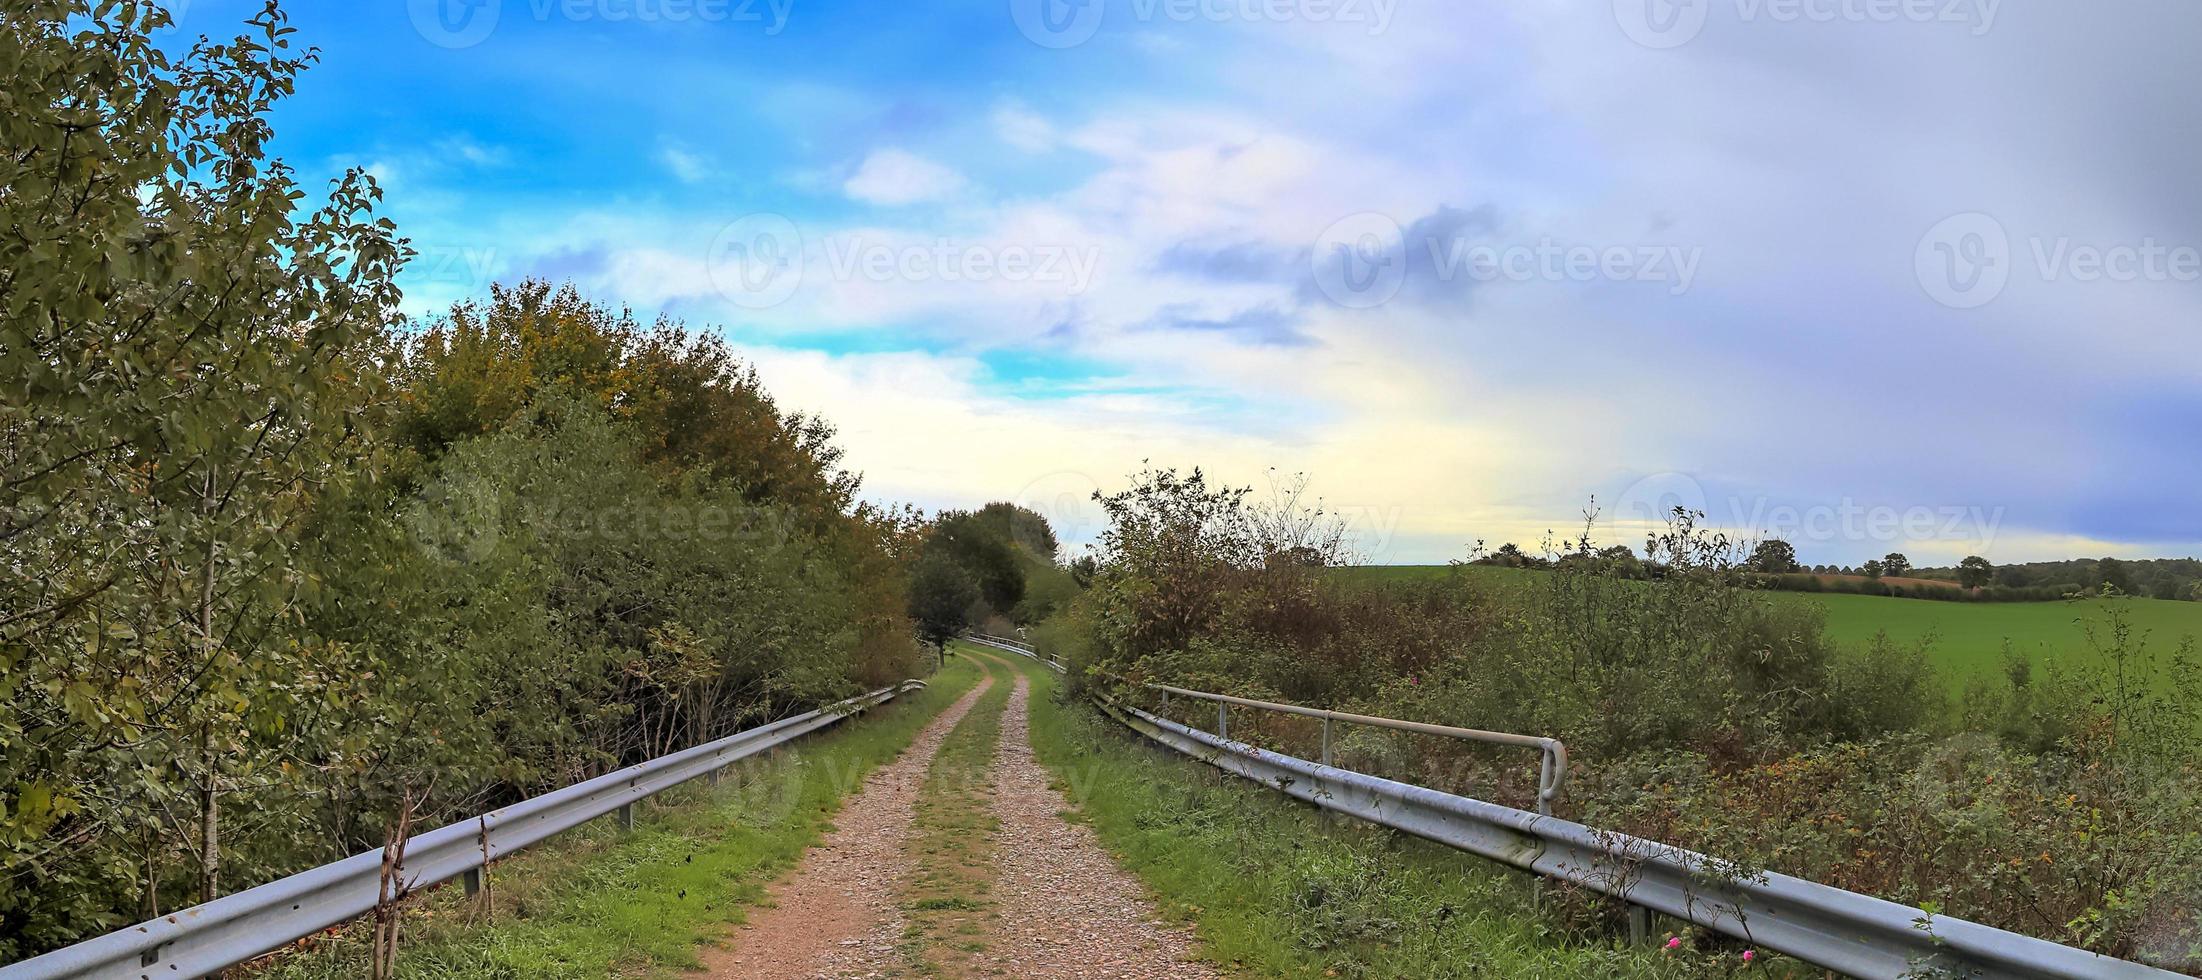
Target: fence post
(627,816)
(1223,720)
(1326,740)
(1544,784)
(472,879)
(1640,925)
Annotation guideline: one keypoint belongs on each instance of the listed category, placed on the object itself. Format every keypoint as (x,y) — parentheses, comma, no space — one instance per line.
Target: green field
(1968,639)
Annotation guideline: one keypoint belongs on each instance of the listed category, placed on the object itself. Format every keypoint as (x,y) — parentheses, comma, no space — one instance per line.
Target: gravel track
(1065,909)
(836,915)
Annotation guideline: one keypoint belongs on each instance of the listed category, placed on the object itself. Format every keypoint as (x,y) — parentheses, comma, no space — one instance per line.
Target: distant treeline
(1809,582)
(1974,580)
(2155,578)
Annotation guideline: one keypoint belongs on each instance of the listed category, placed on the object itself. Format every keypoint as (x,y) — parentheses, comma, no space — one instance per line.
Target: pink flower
(1674,943)
(1749,955)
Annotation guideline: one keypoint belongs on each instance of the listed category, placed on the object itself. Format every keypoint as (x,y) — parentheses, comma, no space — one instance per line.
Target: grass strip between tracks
(948,899)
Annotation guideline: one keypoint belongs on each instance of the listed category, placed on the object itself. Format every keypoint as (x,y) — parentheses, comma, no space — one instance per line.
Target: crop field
(1967,639)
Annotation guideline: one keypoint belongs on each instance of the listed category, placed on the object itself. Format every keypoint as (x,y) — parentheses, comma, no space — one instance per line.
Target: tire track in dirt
(836,915)
(1066,910)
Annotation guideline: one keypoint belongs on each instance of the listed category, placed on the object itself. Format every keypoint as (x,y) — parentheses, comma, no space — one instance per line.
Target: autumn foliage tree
(186,350)
(275,566)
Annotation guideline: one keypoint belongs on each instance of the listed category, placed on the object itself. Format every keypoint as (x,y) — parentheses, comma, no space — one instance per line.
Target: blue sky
(1871,275)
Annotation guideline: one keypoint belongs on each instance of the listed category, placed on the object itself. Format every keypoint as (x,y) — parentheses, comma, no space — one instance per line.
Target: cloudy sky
(1866,274)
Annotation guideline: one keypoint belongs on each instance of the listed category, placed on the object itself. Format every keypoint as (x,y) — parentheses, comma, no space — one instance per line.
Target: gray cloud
(1267,326)
(1235,262)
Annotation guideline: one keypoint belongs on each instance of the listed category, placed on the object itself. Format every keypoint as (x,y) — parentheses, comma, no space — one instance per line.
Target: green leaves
(262,555)
(163,421)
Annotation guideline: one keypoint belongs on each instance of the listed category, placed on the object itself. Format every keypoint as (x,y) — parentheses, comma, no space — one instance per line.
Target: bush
(1699,712)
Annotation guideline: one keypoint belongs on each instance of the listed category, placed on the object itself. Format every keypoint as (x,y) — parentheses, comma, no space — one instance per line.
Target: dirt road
(1050,902)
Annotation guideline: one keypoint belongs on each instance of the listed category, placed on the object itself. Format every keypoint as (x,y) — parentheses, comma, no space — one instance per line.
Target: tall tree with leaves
(941,596)
(185,354)
(1774,557)
(1974,572)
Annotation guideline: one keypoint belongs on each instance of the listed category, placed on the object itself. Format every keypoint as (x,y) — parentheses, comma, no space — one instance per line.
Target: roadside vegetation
(1963,642)
(1276,889)
(601,902)
(290,574)
(2060,801)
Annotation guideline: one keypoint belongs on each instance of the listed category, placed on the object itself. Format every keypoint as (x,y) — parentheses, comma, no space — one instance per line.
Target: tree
(1621,561)
(694,404)
(188,350)
(2112,573)
(982,547)
(1872,568)
(1023,527)
(1083,568)
(1773,557)
(941,596)
(1895,564)
(1974,572)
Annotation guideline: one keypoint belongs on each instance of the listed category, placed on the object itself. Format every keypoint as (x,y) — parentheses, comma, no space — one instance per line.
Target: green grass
(948,898)
(597,902)
(1276,889)
(1967,638)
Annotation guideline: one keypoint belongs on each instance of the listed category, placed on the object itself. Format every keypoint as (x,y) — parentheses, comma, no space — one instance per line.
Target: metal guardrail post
(1545,785)
(1854,934)
(205,939)
(1551,774)
(472,880)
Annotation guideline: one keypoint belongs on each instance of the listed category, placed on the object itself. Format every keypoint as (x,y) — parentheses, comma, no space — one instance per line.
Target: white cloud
(1024,129)
(472,151)
(896,177)
(690,167)
(1791,361)
(891,411)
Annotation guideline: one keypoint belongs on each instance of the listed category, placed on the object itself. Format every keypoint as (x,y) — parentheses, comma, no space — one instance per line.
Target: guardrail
(235,928)
(1858,935)
(1847,932)
(1554,752)
(1013,646)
